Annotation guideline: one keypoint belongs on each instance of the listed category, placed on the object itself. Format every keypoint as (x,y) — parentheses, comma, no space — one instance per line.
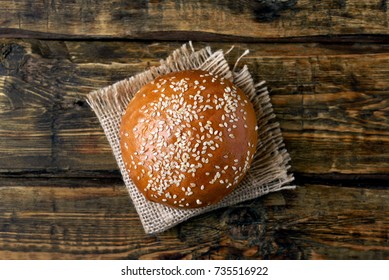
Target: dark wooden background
(326,64)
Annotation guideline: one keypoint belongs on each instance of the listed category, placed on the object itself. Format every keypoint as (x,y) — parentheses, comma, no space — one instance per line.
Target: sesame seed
(189,150)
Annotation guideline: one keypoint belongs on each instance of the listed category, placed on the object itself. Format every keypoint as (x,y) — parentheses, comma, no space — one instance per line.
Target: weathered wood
(331,101)
(244,20)
(81,219)
(326,65)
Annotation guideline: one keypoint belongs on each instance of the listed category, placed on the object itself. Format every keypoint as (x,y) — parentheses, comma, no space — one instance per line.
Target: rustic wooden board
(326,64)
(181,20)
(331,101)
(80,219)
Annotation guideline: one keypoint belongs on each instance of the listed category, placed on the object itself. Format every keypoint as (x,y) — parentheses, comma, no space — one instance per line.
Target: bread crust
(188,138)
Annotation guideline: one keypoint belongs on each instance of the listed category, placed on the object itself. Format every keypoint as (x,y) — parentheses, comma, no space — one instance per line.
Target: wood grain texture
(78,219)
(331,100)
(168,19)
(326,64)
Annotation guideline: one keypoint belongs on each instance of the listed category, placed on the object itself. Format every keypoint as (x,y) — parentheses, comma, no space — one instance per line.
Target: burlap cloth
(269,170)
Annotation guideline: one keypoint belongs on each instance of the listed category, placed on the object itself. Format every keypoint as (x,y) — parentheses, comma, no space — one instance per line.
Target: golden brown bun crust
(188,138)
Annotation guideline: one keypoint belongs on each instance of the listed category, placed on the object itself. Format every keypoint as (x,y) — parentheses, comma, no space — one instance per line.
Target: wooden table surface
(326,64)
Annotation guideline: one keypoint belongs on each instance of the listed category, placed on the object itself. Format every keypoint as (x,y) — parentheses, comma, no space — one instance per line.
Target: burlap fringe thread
(269,170)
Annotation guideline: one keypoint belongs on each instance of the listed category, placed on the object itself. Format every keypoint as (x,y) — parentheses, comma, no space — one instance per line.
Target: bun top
(188,138)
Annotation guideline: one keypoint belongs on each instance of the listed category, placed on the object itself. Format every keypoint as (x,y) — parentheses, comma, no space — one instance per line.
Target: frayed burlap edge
(269,170)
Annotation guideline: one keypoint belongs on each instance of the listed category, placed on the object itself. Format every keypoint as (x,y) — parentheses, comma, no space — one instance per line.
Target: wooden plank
(94,219)
(183,20)
(331,101)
